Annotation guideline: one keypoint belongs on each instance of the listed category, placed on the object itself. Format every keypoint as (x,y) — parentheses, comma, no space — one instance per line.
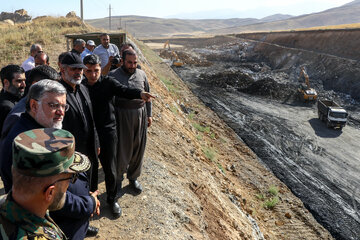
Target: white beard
(72,80)
(43,121)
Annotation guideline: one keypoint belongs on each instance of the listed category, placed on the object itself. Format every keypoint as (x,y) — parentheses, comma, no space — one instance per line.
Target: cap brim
(81,163)
(77,65)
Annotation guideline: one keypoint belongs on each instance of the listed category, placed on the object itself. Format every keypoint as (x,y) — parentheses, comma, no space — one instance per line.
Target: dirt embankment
(331,57)
(252,85)
(341,42)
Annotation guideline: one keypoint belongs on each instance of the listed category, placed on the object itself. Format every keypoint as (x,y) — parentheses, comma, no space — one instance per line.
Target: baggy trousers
(131,129)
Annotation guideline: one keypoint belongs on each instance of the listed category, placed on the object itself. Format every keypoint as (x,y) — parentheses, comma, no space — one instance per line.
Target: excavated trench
(252,85)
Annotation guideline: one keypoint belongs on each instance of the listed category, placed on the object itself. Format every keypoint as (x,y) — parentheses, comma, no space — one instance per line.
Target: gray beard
(76,82)
(43,121)
(72,80)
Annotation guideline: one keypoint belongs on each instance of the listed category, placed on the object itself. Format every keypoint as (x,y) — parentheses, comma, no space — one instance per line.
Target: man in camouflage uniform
(44,161)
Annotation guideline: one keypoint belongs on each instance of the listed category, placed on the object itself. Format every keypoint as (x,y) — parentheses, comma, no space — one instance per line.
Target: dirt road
(320,165)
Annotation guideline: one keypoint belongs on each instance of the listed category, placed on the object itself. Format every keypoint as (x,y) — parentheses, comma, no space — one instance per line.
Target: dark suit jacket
(7,102)
(80,124)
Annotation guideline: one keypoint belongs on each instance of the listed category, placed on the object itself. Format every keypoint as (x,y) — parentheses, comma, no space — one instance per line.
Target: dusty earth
(201,184)
(260,103)
(200,180)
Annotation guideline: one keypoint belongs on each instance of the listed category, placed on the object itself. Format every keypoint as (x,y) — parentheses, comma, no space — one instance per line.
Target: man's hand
(149,121)
(146,96)
(97,208)
(98,151)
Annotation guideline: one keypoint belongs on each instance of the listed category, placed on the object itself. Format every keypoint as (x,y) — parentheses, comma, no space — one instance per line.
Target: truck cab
(331,113)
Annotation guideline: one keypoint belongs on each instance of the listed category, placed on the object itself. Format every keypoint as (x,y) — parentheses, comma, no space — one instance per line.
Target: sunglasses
(71,179)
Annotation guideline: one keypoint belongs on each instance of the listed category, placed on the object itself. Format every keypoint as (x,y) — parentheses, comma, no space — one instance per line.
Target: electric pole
(81,10)
(109,16)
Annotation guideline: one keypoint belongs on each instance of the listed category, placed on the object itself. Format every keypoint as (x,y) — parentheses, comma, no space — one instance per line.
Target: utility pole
(82,10)
(109,16)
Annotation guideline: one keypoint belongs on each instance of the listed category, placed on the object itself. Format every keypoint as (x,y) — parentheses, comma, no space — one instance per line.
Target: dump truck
(306,93)
(332,114)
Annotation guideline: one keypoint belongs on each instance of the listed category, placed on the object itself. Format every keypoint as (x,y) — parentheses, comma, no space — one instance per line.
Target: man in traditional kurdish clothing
(133,119)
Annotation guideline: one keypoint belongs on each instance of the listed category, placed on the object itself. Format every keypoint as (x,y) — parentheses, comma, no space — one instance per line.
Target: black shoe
(115,209)
(136,186)
(92,231)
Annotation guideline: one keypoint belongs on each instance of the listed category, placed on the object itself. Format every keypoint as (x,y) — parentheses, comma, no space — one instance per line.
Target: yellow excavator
(175,60)
(306,93)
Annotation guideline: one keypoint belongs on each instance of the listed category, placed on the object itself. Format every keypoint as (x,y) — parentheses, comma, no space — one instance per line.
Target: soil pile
(270,88)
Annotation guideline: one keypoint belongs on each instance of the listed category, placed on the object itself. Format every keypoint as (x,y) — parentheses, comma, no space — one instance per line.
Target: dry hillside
(200,180)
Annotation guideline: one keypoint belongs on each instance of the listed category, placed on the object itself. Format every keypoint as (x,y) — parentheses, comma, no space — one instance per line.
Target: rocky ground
(261,104)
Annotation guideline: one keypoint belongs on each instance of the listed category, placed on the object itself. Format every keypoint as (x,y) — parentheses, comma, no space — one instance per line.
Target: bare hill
(147,27)
(346,14)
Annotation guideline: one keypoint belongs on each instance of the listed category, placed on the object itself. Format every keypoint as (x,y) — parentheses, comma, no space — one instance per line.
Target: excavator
(175,60)
(306,93)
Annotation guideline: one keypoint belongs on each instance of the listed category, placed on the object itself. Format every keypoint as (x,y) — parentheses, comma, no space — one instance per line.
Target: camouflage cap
(46,152)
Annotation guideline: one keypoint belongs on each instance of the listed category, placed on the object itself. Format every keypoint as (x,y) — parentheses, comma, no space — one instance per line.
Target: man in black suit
(79,118)
(13,83)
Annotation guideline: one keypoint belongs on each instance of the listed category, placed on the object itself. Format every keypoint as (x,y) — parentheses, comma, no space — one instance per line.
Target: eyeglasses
(57,106)
(72,179)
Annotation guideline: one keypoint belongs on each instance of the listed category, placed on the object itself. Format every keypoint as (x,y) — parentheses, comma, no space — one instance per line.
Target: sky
(179,8)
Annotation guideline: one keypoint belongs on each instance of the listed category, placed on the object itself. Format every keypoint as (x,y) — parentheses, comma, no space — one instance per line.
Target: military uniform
(18,223)
(38,153)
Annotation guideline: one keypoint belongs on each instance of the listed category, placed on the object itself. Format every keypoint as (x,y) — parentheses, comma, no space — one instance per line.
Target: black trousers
(108,146)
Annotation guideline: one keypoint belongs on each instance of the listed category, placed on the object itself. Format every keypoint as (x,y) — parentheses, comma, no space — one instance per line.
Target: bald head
(41,59)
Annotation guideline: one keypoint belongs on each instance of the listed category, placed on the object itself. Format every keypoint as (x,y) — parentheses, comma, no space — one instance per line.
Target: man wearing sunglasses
(41,176)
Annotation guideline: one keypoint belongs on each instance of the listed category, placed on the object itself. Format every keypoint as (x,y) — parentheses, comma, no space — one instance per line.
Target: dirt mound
(270,88)
(185,58)
(243,82)
(235,79)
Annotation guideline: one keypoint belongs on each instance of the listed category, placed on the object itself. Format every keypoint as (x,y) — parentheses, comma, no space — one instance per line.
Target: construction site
(277,91)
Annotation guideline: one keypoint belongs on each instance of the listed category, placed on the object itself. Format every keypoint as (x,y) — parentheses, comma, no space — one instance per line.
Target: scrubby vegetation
(16,40)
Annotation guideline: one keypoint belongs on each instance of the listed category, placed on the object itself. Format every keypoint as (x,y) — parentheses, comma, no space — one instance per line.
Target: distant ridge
(148,27)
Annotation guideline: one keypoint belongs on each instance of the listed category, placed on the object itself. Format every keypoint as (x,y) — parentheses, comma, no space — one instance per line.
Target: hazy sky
(162,8)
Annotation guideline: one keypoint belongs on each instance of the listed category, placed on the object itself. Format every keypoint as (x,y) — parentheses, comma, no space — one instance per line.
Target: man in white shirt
(89,48)
(107,52)
(29,63)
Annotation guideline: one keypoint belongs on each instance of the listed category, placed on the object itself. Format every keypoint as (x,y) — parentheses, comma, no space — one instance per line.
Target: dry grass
(342,26)
(48,31)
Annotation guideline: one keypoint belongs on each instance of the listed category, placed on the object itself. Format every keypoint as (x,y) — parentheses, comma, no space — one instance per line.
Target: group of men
(107,113)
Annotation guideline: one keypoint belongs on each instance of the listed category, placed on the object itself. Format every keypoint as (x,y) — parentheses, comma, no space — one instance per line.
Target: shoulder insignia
(49,232)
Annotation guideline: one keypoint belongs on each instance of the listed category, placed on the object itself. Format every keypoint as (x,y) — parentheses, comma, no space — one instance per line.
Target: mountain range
(148,27)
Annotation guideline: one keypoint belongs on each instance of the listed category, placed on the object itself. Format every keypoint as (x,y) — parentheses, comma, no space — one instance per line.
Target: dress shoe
(92,231)
(136,186)
(115,209)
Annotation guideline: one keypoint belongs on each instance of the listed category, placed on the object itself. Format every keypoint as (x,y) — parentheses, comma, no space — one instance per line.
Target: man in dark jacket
(45,107)
(79,119)
(36,74)
(102,90)
(13,82)
(73,218)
